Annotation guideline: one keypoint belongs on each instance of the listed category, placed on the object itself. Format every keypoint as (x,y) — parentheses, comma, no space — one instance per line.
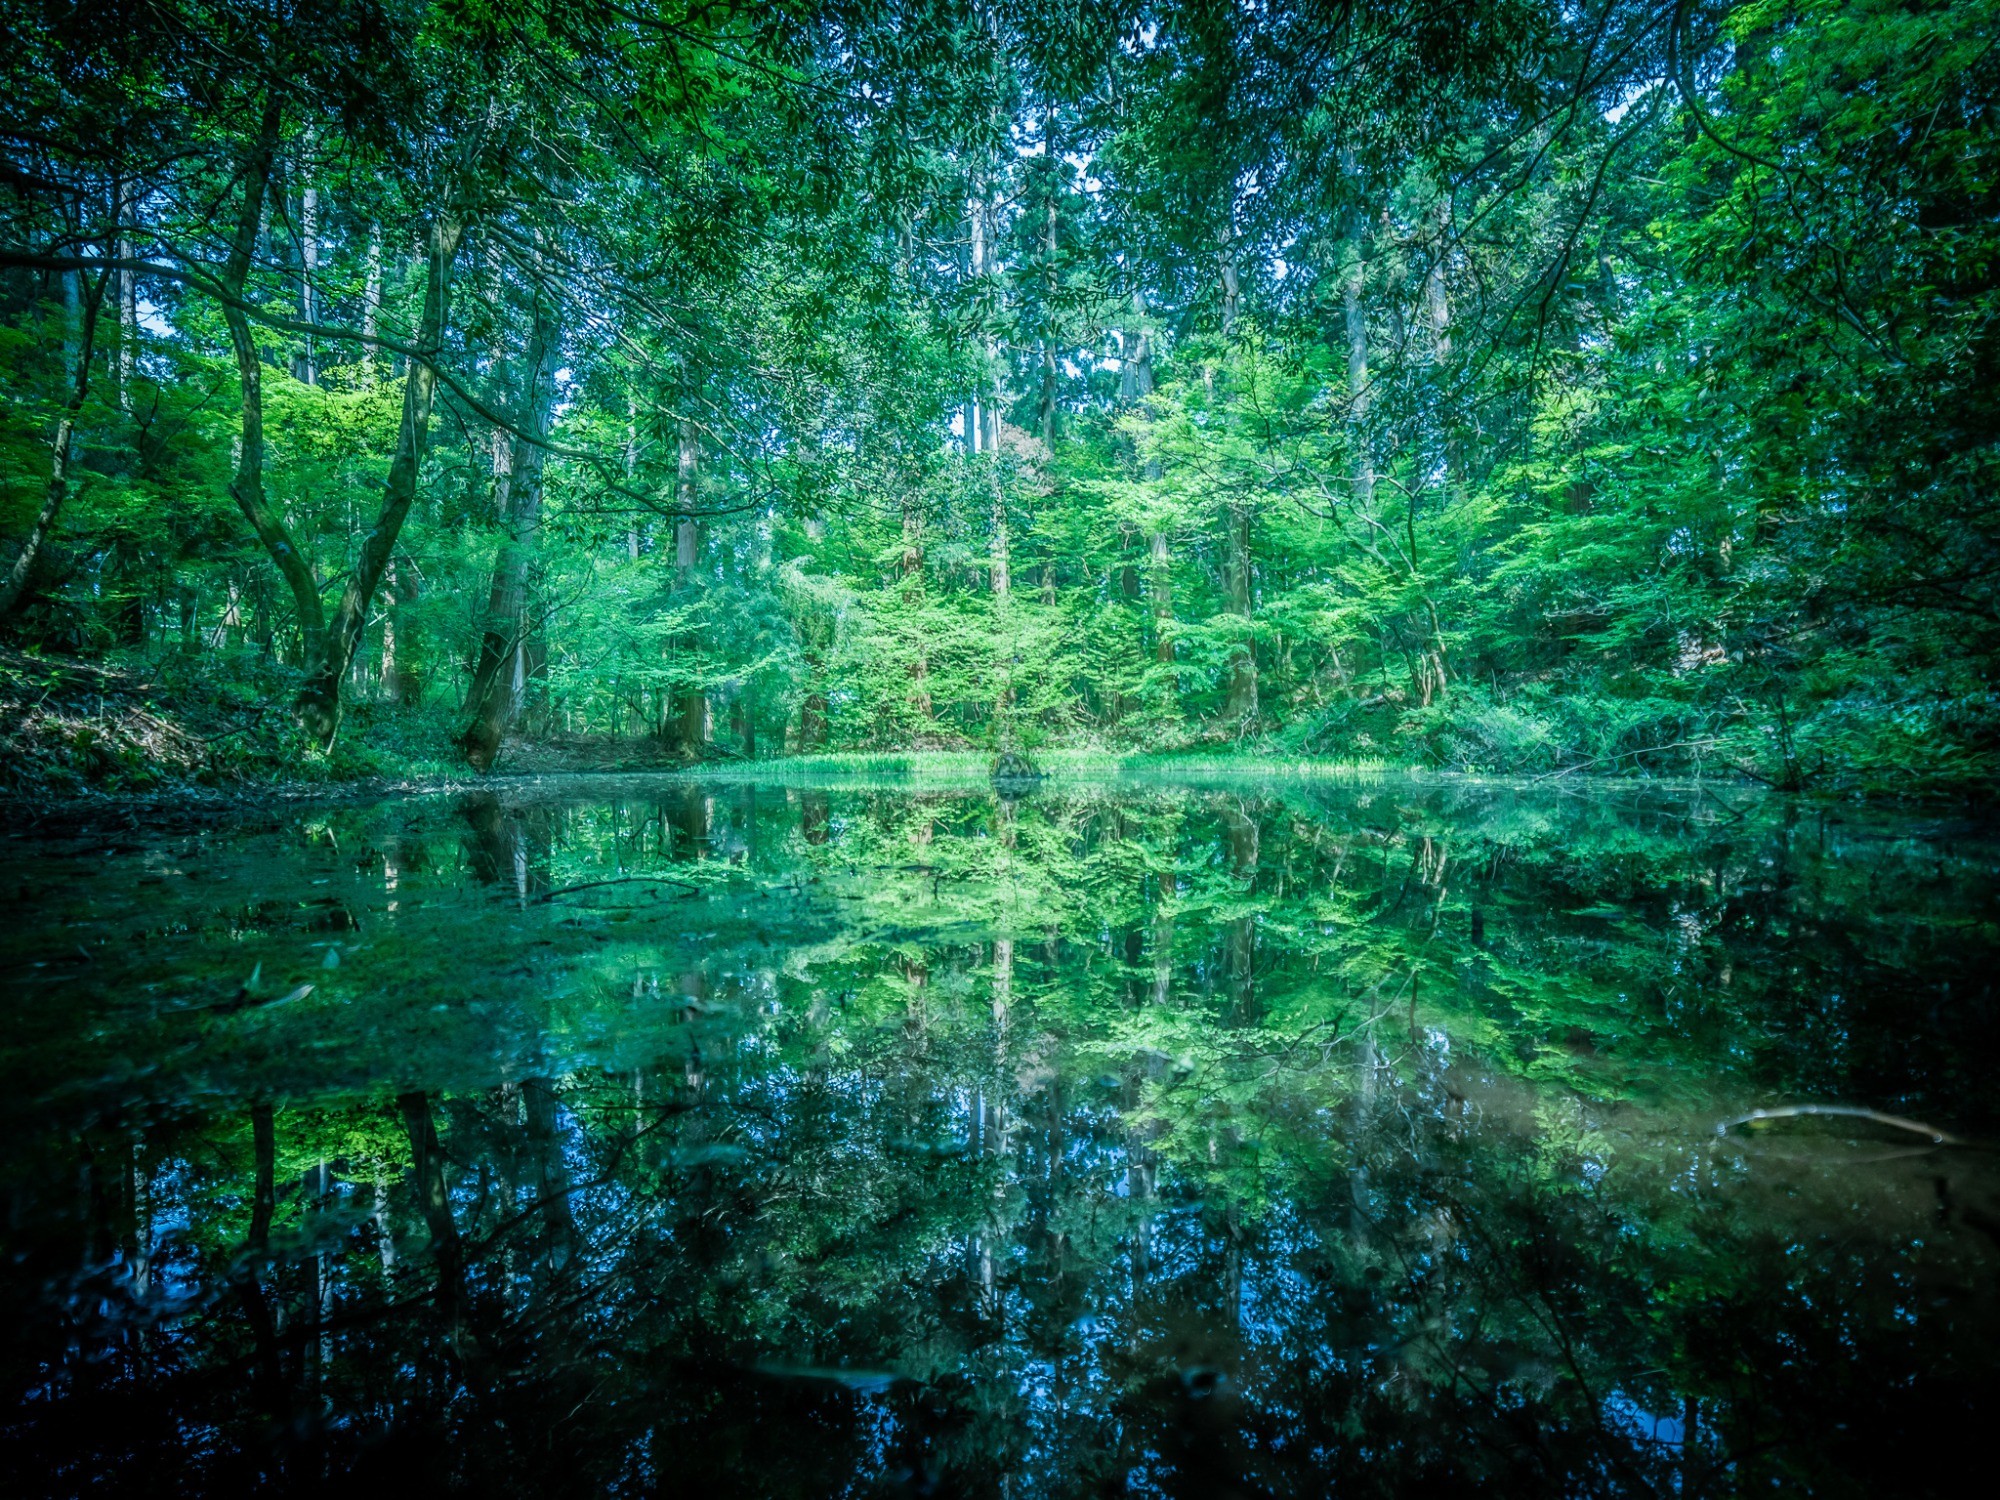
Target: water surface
(643,1137)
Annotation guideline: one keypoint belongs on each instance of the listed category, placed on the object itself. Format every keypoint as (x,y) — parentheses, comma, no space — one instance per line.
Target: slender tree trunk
(1232,293)
(1001,558)
(1163,939)
(247,488)
(1135,347)
(631,468)
(392,598)
(1243,833)
(491,704)
(128,298)
(913,588)
(1358,394)
(371,303)
(434,1198)
(692,709)
(15,583)
(319,698)
(307,368)
(1163,599)
(1053,151)
(1242,660)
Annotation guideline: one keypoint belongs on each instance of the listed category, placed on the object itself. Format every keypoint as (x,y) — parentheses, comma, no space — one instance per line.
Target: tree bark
(371,303)
(490,703)
(1135,347)
(128,298)
(1242,660)
(1232,292)
(1001,557)
(319,698)
(307,369)
(1357,349)
(14,585)
(247,488)
(691,712)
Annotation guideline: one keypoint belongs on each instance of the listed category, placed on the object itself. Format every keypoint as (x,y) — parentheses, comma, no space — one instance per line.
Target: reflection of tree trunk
(1243,836)
(434,1199)
(813,817)
(538,1098)
(1003,979)
(385,1231)
(694,817)
(491,852)
(256,1303)
(139,1194)
(1163,941)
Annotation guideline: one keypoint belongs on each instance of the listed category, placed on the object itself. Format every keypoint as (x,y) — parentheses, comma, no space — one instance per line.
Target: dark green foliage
(1511,390)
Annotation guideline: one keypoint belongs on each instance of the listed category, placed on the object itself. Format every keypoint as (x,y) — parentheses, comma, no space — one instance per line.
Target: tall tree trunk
(15,583)
(319,698)
(1232,292)
(371,303)
(913,588)
(126,350)
(1358,394)
(999,552)
(392,597)
(1135,348)
(1243,834)
(247,488)
(1163,599)
(1242,660)
(692,709)
(631,468)
(1052,150)
(491,704)
(307,366)
(434,1199)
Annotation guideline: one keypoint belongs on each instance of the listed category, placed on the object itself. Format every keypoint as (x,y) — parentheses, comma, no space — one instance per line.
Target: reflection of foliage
(1178,1133)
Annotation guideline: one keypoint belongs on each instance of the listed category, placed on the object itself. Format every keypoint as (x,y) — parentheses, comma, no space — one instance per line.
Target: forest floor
(80,737)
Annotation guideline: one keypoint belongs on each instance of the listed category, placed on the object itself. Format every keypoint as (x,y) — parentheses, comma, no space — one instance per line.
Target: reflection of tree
(1301,1189)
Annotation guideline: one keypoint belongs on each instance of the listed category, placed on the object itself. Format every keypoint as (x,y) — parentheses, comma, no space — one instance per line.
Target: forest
(1607,386)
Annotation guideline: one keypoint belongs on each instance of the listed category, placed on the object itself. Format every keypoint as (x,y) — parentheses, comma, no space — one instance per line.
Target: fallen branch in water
(590,885)
(1844,1111)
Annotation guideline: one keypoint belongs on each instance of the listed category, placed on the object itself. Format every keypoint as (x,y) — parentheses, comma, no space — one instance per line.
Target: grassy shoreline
(80,738)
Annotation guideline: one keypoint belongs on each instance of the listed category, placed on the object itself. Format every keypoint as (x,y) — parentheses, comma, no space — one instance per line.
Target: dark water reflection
(639,1138)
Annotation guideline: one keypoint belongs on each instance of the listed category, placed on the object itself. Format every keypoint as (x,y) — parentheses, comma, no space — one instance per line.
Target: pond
(647,1136)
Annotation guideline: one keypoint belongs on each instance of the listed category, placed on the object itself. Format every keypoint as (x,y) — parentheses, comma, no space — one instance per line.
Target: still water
(633,1137)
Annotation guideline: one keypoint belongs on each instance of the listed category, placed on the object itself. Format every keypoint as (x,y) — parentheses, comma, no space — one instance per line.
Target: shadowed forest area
(640,1136)
(1517,388)
(1296,712)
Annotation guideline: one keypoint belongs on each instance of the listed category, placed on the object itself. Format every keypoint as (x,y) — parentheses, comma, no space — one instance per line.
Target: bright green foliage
(1525,392)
